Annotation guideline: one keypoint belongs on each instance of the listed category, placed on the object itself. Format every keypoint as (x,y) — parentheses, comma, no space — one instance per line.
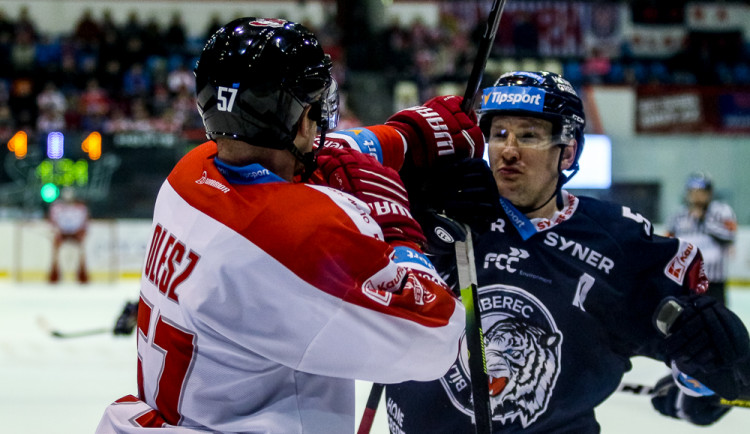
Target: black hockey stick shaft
(44,325)
(365,425)
(467,280)
(483,53)
(643,389)
(80,333)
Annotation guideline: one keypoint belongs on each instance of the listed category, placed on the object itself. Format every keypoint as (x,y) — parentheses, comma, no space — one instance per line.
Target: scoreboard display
(118,176)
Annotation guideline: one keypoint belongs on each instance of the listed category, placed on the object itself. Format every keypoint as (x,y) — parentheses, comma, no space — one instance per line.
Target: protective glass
(329,106)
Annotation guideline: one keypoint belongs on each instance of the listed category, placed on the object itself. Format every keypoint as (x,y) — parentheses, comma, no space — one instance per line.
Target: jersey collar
(528,227)
(246,175)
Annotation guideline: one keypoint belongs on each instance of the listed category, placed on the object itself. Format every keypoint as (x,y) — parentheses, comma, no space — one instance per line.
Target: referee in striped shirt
(709,224)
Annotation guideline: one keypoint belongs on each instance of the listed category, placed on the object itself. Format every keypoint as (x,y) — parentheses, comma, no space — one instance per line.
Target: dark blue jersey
(564,304)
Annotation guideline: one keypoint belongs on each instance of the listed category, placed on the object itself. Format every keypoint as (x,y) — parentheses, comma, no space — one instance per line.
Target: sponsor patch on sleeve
(677,267)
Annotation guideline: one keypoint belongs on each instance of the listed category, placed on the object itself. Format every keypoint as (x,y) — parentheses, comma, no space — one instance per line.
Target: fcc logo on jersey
(523,346)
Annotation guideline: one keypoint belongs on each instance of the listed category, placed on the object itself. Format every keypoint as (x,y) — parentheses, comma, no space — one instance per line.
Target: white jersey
(713,236)
(262,301)
(69,217)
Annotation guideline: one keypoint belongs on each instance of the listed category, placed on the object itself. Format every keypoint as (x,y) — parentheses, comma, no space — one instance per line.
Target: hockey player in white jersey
(262,298)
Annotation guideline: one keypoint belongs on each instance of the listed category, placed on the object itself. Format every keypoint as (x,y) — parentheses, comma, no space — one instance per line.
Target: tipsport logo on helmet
(513,98)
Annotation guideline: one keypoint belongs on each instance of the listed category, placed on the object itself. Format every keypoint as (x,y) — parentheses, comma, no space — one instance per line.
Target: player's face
(699,197)
(524,159)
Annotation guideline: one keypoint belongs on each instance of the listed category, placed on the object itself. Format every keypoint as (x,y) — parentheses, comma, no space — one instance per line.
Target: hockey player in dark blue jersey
(570,288)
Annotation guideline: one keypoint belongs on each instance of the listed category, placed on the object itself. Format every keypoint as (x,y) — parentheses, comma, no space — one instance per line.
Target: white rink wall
(115,250)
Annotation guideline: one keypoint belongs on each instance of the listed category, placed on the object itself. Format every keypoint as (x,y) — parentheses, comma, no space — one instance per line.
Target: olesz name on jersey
(169,262)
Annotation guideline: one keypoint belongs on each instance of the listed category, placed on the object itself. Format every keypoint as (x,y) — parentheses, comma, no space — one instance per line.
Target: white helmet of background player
(256,76)
(543,95)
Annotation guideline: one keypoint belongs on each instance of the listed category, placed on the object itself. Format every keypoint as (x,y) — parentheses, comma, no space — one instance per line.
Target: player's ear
(569,154)
(306,124)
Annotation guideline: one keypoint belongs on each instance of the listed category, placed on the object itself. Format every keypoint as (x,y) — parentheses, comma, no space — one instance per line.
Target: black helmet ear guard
(255,78)
(543,95)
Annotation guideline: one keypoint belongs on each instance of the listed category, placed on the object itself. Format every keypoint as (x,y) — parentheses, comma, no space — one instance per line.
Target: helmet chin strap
(561,179)
(309,159)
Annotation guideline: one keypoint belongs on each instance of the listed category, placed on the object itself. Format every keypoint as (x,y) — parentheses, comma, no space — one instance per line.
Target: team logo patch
(677,268)
(204,179)
(523,347)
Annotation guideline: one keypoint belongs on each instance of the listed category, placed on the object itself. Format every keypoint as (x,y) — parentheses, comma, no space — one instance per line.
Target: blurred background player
(263,298)
(710,225)
(570,288)
(69,218)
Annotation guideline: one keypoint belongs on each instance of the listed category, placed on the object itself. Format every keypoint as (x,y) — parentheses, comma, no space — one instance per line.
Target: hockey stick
(42,322)
(372,406)
(483,53)
(642,389)
(467,273)
(467,281)
(475,343)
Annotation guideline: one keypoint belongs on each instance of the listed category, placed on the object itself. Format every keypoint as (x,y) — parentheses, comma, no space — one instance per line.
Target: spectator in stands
(117,121)
(7,29)
(526,36)
(87,32)
(50,119)
(94,99)
(24,23)
(7,124)
(179,78)
(51,96)
(23,53)
(175,36)
(136,83)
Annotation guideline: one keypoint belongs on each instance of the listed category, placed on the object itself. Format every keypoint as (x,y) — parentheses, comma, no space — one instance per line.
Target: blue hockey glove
(670,400)
(707,341)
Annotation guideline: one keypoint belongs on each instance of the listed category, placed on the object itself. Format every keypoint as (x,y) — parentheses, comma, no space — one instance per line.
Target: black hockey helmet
(542,94)
(256,76)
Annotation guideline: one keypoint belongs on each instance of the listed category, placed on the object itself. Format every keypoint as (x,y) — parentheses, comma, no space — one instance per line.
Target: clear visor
(329,107)
(528,136)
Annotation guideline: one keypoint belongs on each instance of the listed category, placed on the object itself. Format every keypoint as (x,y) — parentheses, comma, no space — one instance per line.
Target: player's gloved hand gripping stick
(707,341)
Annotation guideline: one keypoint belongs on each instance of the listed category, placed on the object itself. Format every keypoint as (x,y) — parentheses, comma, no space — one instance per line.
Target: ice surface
(51,385)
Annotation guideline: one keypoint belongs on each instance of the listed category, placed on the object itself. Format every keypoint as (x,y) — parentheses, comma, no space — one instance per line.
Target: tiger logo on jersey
(522,345)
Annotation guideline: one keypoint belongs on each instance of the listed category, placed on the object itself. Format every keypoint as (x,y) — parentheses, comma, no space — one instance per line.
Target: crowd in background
(137,75)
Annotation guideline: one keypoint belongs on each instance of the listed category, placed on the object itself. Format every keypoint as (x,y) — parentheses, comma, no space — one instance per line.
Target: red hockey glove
(379,187)
(439,130)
